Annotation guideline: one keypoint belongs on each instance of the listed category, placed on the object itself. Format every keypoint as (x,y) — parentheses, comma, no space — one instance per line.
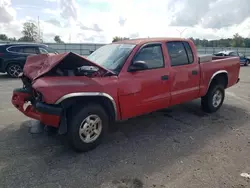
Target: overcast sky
(100,20)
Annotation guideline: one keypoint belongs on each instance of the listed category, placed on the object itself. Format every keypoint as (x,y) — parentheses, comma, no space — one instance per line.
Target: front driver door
(147,90)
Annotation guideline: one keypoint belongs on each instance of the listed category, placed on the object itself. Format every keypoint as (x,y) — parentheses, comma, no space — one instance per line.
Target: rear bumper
(48,114)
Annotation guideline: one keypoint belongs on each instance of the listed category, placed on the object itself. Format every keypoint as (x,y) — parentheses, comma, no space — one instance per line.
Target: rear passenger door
(185,73)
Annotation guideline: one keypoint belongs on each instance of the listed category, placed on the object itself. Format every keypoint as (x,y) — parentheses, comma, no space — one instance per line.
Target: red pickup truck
(84,96)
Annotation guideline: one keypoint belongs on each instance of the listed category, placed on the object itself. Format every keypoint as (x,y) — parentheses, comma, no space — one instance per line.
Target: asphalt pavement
(173,148)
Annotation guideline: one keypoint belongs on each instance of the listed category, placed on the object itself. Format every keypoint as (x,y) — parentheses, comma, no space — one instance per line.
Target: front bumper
(47,114)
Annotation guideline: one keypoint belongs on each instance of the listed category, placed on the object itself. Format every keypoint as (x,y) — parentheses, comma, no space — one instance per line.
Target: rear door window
(29,50)
(189,52)
(15,49)
(178,53)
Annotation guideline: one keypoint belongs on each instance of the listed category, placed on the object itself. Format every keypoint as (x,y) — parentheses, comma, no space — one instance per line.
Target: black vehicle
(13,56)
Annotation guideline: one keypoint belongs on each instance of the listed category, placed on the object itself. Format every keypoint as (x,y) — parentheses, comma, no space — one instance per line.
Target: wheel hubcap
(90,129)
(15,70)
(217,98)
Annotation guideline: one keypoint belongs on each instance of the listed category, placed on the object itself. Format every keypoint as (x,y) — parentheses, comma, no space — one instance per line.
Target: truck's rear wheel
(87,127)
(214,98)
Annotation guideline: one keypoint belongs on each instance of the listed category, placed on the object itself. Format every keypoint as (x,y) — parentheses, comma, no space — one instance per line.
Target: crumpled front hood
(38,65)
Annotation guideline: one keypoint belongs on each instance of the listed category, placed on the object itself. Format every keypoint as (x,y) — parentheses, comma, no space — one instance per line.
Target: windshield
(111,56)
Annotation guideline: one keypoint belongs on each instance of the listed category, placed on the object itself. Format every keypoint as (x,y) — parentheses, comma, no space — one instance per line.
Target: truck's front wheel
(214,98)
(87,127)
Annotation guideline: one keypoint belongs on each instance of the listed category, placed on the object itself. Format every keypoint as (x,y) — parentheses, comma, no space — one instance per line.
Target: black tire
(75,123)
(207,101)
(13,70)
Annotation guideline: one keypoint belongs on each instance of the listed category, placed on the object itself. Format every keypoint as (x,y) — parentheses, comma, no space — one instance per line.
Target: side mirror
(137,66)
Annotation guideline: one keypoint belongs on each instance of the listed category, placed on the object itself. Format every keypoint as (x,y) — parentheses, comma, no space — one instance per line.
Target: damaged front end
(26,102)
(43,72)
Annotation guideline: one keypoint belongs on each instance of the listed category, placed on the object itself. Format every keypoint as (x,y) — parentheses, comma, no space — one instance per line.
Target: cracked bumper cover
(47,114)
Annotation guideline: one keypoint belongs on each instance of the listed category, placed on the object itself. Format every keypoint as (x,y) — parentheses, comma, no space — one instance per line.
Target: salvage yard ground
(173,148)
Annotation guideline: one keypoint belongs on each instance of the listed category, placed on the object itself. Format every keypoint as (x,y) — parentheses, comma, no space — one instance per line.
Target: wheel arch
(103,99)
(221,77)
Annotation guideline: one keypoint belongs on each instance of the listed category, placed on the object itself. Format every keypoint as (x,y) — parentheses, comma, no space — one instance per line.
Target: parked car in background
(13,56)
(243,59)
(84,96)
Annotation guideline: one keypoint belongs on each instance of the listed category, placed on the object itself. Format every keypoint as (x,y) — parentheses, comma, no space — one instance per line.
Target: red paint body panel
(147,93)
(143,91)
(231,65)
(137,93)
(18,100)
(184,85)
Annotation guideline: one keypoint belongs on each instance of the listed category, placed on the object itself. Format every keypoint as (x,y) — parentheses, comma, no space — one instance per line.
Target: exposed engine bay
(90,71)
(67,64)
(72,65)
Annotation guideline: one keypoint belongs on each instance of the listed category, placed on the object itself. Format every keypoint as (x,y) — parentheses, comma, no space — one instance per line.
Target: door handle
(194,72)
(164,77)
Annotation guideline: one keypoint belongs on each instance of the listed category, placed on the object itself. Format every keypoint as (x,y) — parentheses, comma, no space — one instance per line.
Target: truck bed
(230,65)
(208,58)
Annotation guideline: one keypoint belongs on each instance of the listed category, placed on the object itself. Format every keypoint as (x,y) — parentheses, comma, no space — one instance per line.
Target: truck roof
(147,40)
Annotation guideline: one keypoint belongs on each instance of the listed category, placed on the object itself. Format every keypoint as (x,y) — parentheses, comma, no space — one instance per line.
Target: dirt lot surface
(180,147)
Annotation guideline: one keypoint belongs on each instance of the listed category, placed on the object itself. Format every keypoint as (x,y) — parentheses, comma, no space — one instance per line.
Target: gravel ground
(173,148)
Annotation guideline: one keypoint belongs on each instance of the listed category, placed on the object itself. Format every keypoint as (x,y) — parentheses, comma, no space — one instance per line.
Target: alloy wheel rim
(90,129)
(15,70)
(217,98)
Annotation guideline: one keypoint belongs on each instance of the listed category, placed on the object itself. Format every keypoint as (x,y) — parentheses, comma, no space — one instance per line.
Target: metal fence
(211,50)
(82,49)
(86,48)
